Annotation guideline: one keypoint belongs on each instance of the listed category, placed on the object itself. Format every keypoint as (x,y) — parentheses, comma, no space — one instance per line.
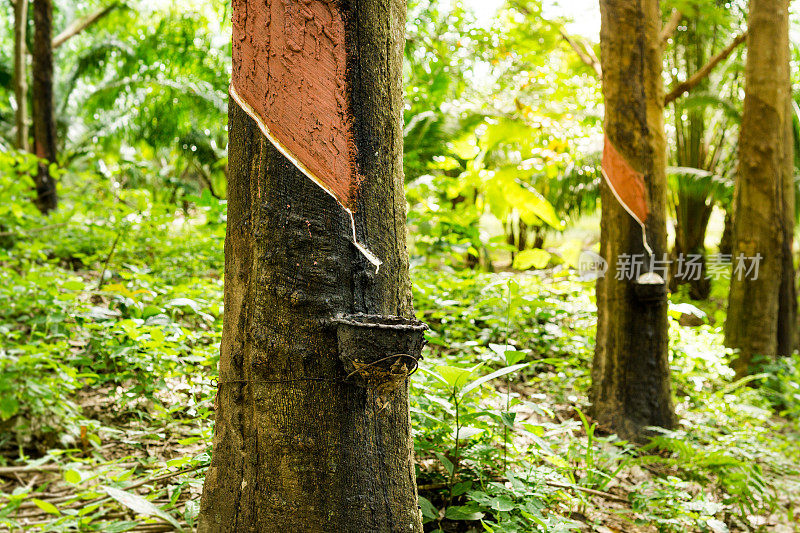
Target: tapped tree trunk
(21,72)
(761,307)
(630,372)
(44,125)
(295,447)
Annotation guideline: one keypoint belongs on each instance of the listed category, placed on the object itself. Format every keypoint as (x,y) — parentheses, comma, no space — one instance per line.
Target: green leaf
(9,406)
(429,512)
(73,285)
(47,507)
(496,374)
(448,465)
(461,488)
(531,258)
(503,503)
(454,376)
(466,433)
(508,419)
(139,505)
(72,476)
(463,512)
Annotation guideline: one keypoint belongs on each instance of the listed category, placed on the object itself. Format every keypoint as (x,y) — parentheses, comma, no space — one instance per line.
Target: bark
(295,449)
(764,207)
(21,73)
(630,373)
(726,240)
(787,301)
(44,126)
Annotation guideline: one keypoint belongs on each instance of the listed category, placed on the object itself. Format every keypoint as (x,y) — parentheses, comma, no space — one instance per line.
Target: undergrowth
(110,314)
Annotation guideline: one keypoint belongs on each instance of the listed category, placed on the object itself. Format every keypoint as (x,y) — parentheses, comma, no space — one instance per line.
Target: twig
(108,258)
(697,77)
(206,177)
(33,230)
(554,484)
(671,25)
(29,504)
(585,56)
(81,24)
(11,470)
(606,495)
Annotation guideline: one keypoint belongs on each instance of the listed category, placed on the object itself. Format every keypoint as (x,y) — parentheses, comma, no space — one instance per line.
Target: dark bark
(726,240)
(314,454)
(44,125)
(761,311)
(787,301)
(630,373)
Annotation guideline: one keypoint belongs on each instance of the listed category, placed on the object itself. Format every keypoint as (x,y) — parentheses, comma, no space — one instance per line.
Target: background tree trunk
(295,450)
(762,219)
(44,125)
(630,373)
(693,207)
(787,302)
(21,72)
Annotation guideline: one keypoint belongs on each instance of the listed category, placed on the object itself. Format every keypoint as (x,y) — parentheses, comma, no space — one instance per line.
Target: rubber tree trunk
(630,373)
(21,72)
(44,125)
(760,311)
(295,449)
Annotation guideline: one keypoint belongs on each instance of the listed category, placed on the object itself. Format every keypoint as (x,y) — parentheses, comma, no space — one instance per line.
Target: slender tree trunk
(21,72)
(758,309)
(630,374)
(295,448)
(44,125)
(726,239)
(694,207)
(787,302)
(691,224)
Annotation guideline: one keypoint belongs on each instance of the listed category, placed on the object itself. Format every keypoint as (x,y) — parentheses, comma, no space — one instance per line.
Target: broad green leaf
(531,258)
(73,285)
(503,503)
(429,512)
(454,376)
(139,505)
(9,406)
(447,463)
(461,488)
(467,433)
(72,476)
(463,512)
(496,374)
(47,507)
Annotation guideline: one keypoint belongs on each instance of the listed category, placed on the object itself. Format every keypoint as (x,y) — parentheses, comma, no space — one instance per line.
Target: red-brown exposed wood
(627,184)
(290,63)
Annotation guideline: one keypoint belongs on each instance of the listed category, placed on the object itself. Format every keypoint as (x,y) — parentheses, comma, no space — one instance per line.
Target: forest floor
(107,390)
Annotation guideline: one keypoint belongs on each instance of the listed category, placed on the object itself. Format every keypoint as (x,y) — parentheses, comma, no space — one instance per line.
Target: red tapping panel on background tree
(627,184)
(289,75)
